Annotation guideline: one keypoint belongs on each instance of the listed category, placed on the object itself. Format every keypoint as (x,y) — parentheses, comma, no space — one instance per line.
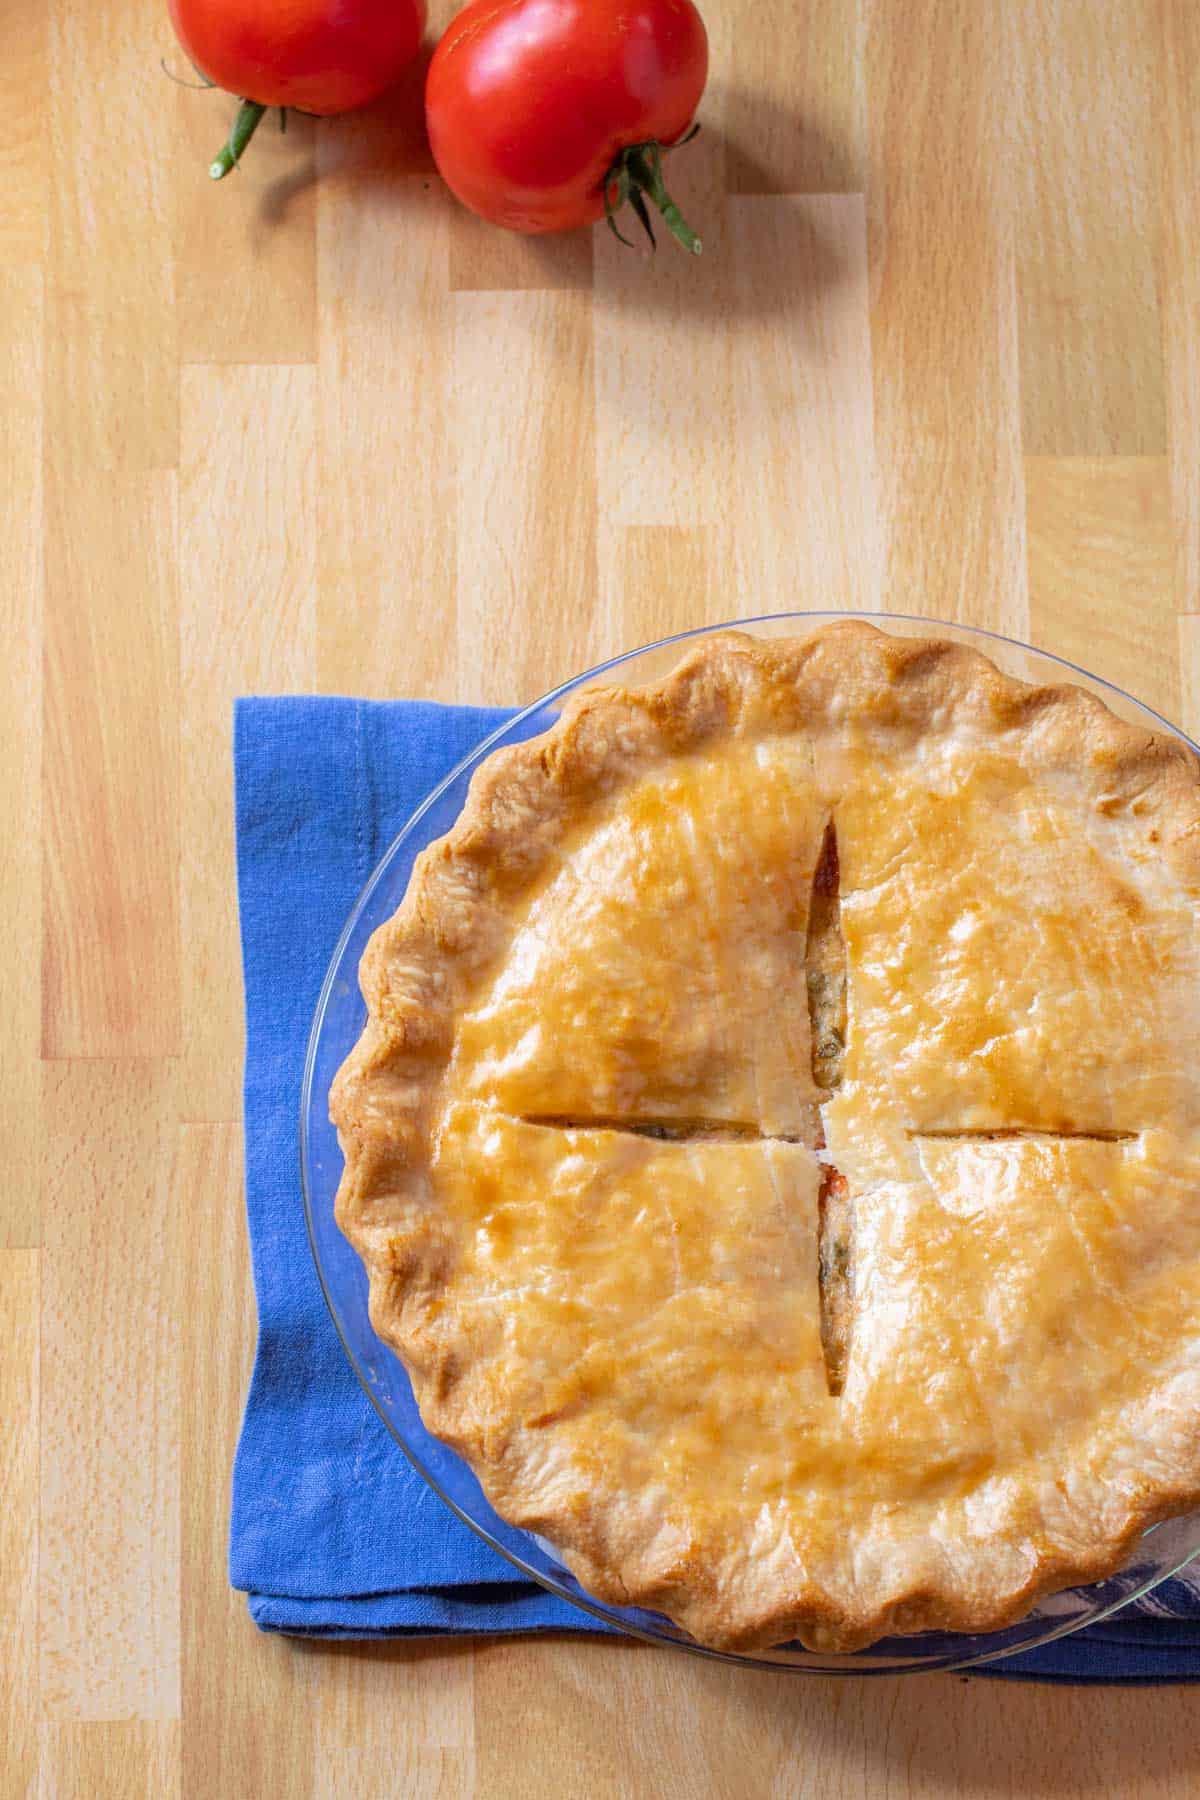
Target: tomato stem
(636,175)
(244,126)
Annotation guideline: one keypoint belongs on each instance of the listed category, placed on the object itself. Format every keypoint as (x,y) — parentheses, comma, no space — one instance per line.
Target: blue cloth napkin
(333,1534)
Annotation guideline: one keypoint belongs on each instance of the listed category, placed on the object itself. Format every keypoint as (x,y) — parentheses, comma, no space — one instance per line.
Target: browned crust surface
(421,966)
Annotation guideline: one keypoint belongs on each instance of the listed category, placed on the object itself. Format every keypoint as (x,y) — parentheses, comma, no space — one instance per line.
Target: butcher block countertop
(320,429)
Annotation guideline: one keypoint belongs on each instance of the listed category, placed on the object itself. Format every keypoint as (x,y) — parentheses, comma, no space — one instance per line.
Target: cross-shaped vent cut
(826,977)
(825,970)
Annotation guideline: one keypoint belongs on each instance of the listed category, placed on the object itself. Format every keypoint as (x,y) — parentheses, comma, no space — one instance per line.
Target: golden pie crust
(588,1160)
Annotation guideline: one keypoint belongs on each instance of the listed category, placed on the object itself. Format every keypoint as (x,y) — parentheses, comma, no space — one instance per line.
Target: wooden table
(320,429)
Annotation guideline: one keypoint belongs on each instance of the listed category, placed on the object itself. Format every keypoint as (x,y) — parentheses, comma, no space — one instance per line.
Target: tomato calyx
(637,175)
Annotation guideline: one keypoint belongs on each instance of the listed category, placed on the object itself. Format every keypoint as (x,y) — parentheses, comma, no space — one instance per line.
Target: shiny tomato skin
(528,102)
(321,56)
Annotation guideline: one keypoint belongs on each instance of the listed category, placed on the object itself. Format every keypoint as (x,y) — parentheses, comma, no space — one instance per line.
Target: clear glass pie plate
(339,1019)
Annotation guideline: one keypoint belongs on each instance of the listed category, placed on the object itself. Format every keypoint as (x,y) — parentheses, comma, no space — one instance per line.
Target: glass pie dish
(339,1019)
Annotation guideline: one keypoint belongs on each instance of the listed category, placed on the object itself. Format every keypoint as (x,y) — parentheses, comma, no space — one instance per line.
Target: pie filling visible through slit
(825,972)
(775,1140)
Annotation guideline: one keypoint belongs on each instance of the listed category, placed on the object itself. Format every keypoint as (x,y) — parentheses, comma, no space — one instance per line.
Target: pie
(774,1143)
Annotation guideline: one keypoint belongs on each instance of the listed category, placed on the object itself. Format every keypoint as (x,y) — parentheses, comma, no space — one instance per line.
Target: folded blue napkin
(333,1534)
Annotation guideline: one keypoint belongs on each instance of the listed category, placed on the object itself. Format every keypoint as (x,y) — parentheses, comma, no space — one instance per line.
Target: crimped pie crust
(585,1148)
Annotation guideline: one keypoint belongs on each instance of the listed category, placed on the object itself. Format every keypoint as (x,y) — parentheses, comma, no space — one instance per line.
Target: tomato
(545,114)
(320,56)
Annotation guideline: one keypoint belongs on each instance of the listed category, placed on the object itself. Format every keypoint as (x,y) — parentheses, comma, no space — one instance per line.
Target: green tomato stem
(645,172)
(244,126)
(637,175)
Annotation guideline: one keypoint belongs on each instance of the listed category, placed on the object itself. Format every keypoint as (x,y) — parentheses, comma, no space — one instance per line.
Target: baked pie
(775,1139)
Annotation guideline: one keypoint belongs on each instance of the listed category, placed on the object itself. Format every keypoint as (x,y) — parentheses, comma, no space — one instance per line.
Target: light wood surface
(320,429)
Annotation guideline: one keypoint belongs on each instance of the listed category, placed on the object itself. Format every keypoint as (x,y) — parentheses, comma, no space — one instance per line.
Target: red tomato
(539,108)
(320,56)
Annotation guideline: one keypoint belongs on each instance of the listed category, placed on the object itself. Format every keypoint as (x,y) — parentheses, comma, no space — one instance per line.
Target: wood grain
(669,580)
(742,1735)
(386,545)
(802,407)
(398,1769)
(247,624)
(110,933)
(23,93)
(21,322)
(360,1678)
(1180,292)
(525,537)
(1089,210)
(246,256)
(943,315)
(796,116)
(662,401)
(111,330)
(221,1687)
(318,427)
(108,1582)
(20,1307)
(1101,569)
(483,259)
(1189,674)
(662,418)
(122,1762)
